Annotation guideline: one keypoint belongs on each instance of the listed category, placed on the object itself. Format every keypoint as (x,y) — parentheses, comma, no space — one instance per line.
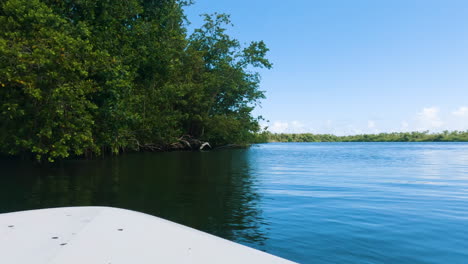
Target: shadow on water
(209,191)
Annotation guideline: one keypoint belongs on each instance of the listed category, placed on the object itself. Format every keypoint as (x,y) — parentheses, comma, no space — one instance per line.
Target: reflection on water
(207,191)
(355,203)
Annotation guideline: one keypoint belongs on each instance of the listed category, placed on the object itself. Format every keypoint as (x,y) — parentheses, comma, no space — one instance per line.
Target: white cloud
(433,119)
(461,112)
(404,126)
(297,125)
(289,127)
(429,119)
(279,127)
(459,119)
(356,131)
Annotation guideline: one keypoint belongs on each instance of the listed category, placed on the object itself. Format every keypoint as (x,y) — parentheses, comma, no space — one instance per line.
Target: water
(308,202)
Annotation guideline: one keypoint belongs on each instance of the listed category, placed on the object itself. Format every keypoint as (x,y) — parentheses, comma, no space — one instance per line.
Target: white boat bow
(104,235)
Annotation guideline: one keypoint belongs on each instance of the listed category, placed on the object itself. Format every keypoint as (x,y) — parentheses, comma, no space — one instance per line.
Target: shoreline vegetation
(87,78)
(426,136)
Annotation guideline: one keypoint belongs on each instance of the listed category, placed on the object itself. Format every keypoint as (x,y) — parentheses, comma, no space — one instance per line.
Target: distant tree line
(447,136)
(86,77)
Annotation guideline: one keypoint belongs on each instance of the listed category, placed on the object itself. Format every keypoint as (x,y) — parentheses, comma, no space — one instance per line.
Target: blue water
(364,202)
(308,202)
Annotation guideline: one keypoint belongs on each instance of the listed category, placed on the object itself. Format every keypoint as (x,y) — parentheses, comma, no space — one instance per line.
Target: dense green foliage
(382,137)
(82,77)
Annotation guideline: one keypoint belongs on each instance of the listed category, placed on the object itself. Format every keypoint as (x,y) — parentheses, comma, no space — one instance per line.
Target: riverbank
(446,136)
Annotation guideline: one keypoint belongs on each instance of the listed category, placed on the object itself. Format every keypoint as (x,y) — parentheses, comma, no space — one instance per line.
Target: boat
(106,235)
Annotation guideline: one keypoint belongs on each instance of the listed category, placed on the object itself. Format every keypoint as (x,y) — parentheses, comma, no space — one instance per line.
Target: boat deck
(104,235)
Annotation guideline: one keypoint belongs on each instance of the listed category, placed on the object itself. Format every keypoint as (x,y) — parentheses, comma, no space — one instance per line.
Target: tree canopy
(425,136)
(84,77)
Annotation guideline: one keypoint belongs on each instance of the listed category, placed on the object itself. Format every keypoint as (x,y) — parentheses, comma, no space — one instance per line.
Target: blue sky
(362,66)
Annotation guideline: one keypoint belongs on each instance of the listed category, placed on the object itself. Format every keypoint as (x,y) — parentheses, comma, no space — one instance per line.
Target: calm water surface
(308,202)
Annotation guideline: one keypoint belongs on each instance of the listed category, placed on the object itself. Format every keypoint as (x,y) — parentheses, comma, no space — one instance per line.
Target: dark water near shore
(308,202)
